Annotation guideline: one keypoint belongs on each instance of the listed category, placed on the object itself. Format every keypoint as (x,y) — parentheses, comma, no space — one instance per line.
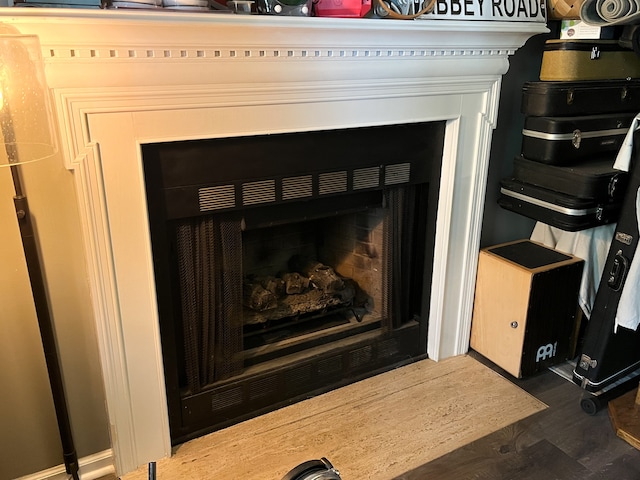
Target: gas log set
(309,287)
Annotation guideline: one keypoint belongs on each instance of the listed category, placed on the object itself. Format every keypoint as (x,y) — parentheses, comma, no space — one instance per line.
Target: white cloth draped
(623,159)
(591,245)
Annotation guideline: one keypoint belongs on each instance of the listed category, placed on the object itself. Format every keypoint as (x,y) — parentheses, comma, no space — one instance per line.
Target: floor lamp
(28,136)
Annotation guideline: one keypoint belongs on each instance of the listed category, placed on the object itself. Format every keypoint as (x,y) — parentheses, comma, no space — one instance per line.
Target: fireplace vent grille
(361,356)
(398,173)
(297,187)
(366,178)
(227,399)
(259,192)
(217,198)
(263,387)
(223,197)
(331,366)
(333,182)
(299,379)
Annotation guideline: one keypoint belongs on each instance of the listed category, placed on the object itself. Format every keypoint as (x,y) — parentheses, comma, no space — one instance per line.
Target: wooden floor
(561,442)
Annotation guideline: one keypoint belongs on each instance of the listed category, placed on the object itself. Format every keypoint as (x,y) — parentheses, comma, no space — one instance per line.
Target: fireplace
(289,264)
(124,81)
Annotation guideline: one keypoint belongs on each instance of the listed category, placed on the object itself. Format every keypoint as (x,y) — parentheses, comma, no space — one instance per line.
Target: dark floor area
(562,442)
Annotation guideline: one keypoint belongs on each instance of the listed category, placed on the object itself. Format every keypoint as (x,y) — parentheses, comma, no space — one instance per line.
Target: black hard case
(592,179)
(567,140)
(607,356)
(589,97)
(560,210)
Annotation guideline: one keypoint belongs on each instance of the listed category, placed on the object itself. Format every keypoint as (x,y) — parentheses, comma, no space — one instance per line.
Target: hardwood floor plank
(561,442)
(625,467)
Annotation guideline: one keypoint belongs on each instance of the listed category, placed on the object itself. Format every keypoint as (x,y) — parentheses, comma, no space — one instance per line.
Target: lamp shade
(26,124)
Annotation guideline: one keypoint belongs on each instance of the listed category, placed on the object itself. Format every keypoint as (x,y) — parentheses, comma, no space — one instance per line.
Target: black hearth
(289,264)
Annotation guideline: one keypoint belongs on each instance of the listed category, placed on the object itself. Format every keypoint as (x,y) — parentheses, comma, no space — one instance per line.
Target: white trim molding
(90,468)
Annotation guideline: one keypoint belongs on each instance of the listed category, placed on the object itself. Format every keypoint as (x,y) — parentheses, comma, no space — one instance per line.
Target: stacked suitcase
(576,118)
(572,131)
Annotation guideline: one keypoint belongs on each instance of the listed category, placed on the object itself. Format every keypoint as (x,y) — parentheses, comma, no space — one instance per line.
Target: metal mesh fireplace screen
(210,271)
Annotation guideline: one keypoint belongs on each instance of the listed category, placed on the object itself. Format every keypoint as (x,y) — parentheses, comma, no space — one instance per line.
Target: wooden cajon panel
(525,305)
(502,297)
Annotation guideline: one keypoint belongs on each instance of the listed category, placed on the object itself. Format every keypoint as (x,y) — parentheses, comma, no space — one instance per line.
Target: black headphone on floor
(314,470)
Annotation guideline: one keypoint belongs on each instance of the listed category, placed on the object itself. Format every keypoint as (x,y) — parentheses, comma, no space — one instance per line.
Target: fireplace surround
(122,80)
(289,264)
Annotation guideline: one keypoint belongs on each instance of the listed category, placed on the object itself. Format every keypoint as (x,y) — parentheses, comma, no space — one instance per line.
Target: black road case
(608,355)
(560,210)
(589,97)
(568,140)
(593,179)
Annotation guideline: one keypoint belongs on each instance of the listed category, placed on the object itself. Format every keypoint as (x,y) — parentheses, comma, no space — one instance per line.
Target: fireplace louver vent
(299,379)
(263,387)
(366,178)
(259,192)
(334,182)
(217,198)
(223,197)
(227,399)
(398,173)
(388,348)
(330,366)
(361,356)
(297,187)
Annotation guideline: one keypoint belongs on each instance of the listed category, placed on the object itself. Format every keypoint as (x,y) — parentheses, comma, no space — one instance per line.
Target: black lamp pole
(41,303)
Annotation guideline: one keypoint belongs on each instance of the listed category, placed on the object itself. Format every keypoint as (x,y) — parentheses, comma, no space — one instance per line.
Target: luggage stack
(572,132)
(576,117)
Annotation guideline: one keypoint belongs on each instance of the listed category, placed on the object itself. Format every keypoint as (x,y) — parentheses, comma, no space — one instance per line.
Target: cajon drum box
(525,306)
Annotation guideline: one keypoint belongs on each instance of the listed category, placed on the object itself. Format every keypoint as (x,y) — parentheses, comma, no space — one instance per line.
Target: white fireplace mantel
(120,79)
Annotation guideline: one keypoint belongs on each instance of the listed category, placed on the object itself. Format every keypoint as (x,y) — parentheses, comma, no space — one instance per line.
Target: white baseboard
(91,467)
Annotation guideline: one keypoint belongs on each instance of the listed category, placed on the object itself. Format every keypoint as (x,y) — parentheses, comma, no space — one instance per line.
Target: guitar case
(567,60)
(577,98)
(569,140)
(609,353)
(557,209)
(591,179)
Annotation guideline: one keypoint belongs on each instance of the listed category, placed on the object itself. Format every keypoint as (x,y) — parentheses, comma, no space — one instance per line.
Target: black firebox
(289,264)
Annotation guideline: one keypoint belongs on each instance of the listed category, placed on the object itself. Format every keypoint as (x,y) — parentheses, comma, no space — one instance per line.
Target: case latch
(614,183)
(587,362)
(595,53)
(618,271)
(577,138)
